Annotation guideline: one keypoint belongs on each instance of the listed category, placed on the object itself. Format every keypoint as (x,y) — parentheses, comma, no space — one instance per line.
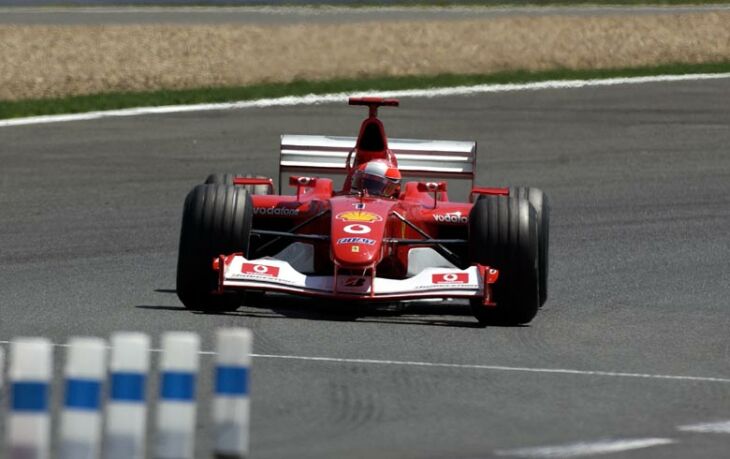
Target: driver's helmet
(377,178)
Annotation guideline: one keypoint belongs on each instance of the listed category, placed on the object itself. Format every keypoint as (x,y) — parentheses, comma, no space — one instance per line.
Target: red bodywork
(355,236)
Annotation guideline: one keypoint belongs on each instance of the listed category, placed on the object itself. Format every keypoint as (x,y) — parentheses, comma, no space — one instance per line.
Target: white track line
(471,366)
(709,427)
(467,366)
(585,449)
(563,371)
(313,99)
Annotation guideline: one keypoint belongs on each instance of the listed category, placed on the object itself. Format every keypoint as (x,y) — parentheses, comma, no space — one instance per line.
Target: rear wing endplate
(416,158)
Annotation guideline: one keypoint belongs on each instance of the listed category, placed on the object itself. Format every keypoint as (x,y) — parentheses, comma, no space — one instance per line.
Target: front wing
(269,274)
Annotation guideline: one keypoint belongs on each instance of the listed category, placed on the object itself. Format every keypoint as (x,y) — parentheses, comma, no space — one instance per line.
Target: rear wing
(416,158)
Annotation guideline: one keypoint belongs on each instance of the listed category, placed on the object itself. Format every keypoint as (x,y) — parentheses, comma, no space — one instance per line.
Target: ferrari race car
(375,239)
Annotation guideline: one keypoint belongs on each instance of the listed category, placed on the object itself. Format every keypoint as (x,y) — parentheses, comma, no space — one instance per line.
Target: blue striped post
(176,409)
(80,430)
(231,399)
(28,434)
(126,411)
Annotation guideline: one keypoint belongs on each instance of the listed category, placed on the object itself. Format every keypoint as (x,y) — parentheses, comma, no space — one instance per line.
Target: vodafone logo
(275,211)
(357,229)
(261,270)
(450,278)
(454,217)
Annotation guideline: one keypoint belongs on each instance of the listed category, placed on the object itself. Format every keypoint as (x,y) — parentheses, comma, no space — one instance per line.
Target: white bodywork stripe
(585,449)
(314,99)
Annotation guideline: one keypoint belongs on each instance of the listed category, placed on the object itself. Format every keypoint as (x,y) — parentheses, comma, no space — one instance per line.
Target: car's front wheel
(503,235)
(216,220)
(539,201)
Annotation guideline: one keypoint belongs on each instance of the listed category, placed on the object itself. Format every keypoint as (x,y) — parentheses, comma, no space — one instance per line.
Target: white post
(28,435)
(231,400)
(176,409)
(80,430)
(126,412)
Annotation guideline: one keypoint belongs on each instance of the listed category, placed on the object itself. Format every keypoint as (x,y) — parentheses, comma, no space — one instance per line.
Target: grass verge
(402,3)
(510,3)
(118,100)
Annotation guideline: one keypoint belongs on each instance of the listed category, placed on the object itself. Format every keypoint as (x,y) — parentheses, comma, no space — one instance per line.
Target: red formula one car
(375,239)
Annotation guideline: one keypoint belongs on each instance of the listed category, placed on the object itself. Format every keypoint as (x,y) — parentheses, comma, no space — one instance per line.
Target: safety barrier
(113,392)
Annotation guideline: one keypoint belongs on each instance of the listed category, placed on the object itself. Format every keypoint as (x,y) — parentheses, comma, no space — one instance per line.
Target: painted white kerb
(313,99)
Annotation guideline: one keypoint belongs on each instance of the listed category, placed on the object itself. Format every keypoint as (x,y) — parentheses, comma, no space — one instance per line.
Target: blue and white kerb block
(31,368)
(231,400)
(80,430)
(176,409)
(126,410)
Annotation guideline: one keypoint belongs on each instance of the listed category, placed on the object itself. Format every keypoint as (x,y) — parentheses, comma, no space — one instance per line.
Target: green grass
(399,3)
(117,100)
(508,3)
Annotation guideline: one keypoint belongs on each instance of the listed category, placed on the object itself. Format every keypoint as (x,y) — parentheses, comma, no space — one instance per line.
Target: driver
(377,178)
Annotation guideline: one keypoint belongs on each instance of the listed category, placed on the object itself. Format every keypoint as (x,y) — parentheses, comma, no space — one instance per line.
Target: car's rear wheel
(216,220)
(227,179)
(540,202)
(503,235)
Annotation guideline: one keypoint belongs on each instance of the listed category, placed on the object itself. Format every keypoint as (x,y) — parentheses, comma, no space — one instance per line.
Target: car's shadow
(444,313)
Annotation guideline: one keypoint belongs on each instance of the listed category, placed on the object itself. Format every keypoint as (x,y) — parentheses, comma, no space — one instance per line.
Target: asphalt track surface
(639,177)
(318,15)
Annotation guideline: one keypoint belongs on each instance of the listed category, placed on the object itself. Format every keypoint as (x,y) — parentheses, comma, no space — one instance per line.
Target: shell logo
(358,216)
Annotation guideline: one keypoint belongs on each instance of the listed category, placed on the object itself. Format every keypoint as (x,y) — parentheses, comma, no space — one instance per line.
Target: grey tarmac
(639,178)
(281,15)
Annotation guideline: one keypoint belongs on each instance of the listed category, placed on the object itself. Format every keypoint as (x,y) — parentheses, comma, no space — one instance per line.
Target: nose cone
(358,228)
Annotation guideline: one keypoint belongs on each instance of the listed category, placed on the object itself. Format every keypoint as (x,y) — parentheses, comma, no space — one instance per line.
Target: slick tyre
(216,220)
(541,204)
(227,179)
(503,235)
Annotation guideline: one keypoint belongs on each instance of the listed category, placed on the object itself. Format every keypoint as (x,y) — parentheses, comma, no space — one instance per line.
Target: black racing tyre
(219,179)
(503,235)
(227,179)
(540,202)
(216,220)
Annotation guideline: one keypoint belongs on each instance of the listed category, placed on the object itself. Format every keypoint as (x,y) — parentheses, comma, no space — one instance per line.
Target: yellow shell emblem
(359,216)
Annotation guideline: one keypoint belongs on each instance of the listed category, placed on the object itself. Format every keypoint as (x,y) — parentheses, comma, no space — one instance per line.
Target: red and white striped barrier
(91,387)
